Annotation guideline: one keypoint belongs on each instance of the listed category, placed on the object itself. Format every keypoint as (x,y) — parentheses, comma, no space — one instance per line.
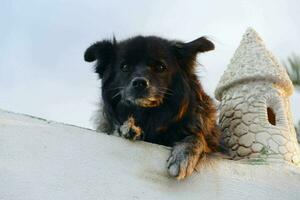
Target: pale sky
(42,71)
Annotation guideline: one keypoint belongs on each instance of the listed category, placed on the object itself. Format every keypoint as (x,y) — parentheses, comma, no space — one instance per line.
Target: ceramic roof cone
(253,61)
(255,115)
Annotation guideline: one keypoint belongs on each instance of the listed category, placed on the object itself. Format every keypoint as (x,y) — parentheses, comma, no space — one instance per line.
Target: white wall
(46,160)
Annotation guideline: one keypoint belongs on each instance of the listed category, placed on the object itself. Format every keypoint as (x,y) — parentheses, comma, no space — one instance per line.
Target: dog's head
(140,70)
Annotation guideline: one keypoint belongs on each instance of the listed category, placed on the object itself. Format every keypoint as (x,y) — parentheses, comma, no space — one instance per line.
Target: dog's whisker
(118,93)
(164,92)
(164,88)
(167,94)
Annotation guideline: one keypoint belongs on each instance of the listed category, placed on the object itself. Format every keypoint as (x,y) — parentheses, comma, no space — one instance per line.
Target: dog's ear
(187,52)
(199,45)
(103,52)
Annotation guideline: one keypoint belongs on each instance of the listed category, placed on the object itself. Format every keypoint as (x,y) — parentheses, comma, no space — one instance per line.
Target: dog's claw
(181,162)
(173,170)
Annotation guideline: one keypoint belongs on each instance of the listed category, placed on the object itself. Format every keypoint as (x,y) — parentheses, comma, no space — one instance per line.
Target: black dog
(150,92)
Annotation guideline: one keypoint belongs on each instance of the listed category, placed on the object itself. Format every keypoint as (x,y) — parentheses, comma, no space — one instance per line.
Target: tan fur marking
(136,129)
(182,110)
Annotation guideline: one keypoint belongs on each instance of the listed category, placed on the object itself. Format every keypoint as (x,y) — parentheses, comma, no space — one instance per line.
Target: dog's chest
(156,124)
(156,128)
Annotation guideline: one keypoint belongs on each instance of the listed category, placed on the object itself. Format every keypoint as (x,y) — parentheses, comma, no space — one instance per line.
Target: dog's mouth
(148,102)
(147,98)
(145,102)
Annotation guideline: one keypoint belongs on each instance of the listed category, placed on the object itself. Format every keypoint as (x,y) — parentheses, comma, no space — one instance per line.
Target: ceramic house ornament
(255,115)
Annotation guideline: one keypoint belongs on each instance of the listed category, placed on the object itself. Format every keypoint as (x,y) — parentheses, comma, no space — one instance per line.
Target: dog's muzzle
(139,93)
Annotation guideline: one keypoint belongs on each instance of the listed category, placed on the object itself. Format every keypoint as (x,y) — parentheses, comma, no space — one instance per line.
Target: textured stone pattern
(245,125)
(252,61)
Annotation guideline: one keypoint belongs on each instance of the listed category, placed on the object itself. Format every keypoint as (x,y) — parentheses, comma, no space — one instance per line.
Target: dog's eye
(124,67)
(160,68)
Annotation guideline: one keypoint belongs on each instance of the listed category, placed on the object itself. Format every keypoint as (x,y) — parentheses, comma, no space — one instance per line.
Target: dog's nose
(139,83)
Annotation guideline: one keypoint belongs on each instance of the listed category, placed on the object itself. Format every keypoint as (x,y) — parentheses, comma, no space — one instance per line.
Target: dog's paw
(129,130)
(182,161)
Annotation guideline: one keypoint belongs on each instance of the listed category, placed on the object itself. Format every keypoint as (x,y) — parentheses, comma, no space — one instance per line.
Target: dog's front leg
(130,130)
(185,156)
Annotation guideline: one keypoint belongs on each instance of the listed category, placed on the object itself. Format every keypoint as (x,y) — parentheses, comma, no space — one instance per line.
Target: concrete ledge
(47,160)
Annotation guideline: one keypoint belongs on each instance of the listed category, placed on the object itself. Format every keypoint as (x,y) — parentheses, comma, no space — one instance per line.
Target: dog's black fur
(150,92)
